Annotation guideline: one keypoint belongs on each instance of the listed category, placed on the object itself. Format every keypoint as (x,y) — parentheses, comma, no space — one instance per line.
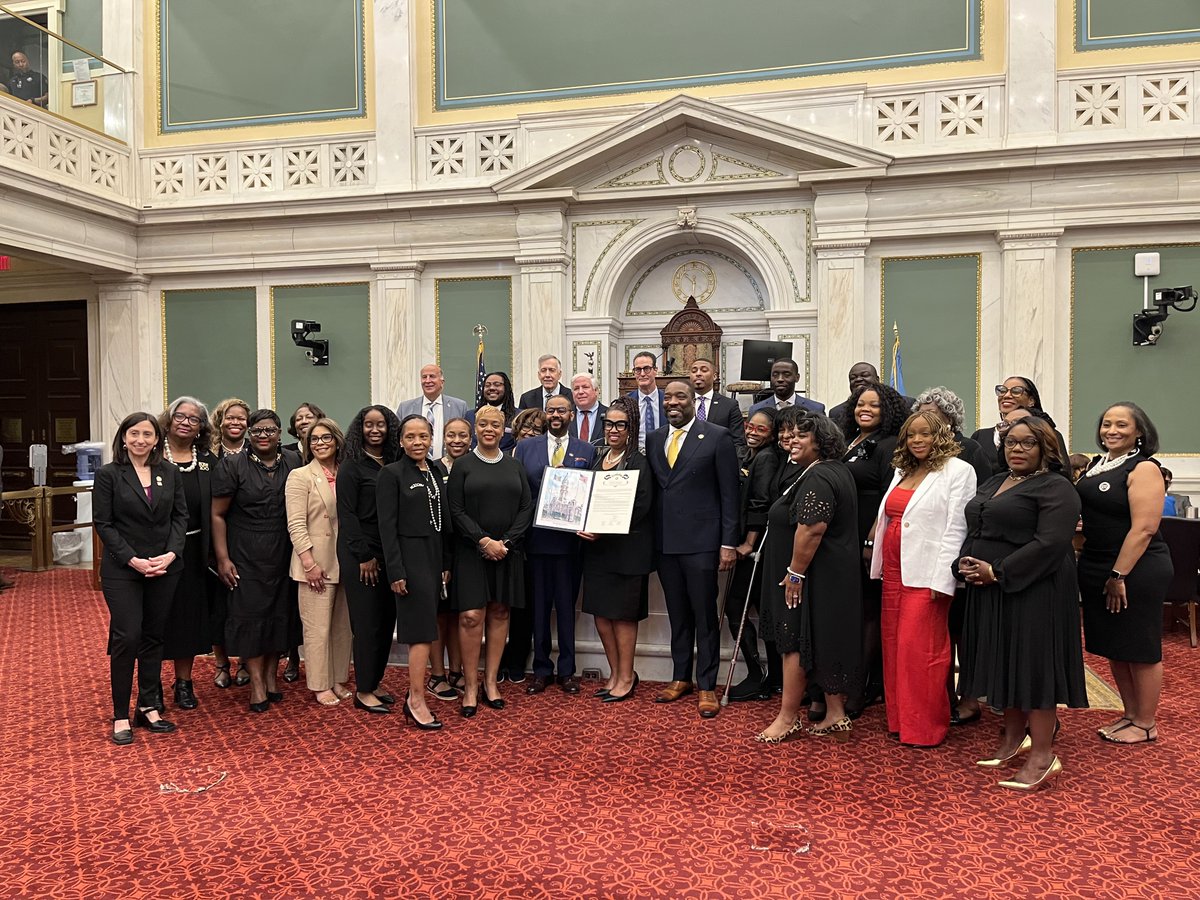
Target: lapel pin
(700,437)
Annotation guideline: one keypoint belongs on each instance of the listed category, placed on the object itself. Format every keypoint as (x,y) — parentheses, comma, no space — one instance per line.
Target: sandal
(221,679)
(343,694)
(1113,726)
(456,681)
(1146,737)
(242,677)
(334,701)
(439,686)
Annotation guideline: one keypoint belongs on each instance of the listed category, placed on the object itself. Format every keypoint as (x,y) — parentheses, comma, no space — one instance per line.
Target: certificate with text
(586,500)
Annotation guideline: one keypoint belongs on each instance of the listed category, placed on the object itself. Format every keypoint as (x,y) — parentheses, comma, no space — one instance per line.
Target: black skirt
(416,611)
(625,598)
(187,629)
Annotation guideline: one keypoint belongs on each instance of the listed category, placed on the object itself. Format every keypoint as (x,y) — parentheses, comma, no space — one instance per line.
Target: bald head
(862,374)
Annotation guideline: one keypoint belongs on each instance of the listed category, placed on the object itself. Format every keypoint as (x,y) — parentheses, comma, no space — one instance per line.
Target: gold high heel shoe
(997,761)
(839,730)
(1051,771)
(797,727)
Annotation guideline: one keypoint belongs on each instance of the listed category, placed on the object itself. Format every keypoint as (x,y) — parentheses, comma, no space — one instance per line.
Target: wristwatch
(1114,575)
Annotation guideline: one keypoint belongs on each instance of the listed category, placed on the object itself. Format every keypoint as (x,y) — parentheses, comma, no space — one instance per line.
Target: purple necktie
(700,413)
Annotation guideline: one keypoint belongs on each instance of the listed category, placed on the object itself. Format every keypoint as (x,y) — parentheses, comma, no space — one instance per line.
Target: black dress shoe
(122,737)
(260,707)
(386,699)
(185,695)
(467,711)
(956,719)
(538,685)
(292,671)
(617,698)
(748,689)
(601,693)
(435,725)
(569,684)
(162,726)
(379,708)
(498,703)
(274,697)
(241,677)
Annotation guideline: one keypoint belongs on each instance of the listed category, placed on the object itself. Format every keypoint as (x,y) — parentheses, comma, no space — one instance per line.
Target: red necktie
(583,429)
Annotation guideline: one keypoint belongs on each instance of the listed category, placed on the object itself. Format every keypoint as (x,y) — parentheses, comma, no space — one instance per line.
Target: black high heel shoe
(242,676)
(162,726)
(379,709)
(385,699)
(617,698)
(261,707)
(468,712)
(493,704)
(185,694)
(274,697)
(435,725)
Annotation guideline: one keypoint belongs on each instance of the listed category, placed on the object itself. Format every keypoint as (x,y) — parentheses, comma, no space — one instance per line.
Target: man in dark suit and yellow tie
(696,467)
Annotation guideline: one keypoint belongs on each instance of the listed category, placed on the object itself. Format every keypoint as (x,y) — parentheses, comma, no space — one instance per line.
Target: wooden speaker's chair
(1183,538)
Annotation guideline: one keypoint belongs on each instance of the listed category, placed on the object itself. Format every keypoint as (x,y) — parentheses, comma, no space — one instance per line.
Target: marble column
(538,326)
(841,301)
(394,95)
(1029,329)
(396,323)
(130,352)
(1031,73)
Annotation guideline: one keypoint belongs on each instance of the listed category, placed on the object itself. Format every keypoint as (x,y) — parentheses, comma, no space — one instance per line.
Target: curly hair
(204,432)
(339,439)
(947,401)
(827,436)
(629,406)
(317,412)
(944,446)
(506,404)
(217,416)
(892,411)
(391,441)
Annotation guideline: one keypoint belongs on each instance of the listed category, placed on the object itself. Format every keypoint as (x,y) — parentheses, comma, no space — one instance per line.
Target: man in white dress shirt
(588,424)
(435,406)
(648,394)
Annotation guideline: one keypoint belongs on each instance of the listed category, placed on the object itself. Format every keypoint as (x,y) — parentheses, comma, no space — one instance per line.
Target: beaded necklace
(189,467)
(434,496)
(1106,464)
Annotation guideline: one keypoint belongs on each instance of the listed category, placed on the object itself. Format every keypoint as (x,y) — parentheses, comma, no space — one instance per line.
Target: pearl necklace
(378,459)
(226,451)
(1107,464)
(490,461)
(189,467)
(613,460)
(434,496)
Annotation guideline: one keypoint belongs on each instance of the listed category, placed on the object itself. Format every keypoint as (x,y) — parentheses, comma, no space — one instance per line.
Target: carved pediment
(690,143)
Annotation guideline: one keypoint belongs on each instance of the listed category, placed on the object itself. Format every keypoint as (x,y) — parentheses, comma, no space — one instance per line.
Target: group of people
(875,543)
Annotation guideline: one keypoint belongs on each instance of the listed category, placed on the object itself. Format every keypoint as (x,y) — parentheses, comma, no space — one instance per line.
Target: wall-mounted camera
(316,351)
(1148,324)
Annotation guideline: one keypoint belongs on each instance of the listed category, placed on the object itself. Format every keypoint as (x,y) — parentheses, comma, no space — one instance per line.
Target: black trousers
(739,588)
(689,583)
(138,609)
(553,578)
(515,658)
(372,622)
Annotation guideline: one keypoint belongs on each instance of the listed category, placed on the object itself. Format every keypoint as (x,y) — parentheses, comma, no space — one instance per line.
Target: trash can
(67,547)
(83,513)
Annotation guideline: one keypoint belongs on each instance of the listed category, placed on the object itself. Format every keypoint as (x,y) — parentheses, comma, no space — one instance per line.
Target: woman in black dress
(141,516)
(254,554)
(617,567)
(759,460)
(185,424)
(814,613)
(372,442)
(491,510)
(1125,566)
(1021,626)
(445,662)
(228,422)
(875,414)
(414,527)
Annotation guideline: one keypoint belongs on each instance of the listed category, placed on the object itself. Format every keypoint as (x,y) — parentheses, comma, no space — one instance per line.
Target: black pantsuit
(372,608)
(134,525)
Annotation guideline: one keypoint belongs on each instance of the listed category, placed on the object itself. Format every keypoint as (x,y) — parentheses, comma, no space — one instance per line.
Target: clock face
(694,279)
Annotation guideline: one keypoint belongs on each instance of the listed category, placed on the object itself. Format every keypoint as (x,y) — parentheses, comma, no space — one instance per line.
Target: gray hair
(589,376)
(947,401)
(547,357)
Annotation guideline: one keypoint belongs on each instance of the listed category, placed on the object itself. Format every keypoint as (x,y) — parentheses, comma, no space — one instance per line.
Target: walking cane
(742,625)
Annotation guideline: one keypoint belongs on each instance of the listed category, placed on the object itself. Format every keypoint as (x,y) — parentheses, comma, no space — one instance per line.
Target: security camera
(316,351)
(1148,324)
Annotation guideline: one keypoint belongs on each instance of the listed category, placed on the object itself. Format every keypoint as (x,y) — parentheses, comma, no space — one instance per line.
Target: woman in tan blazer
(312,524)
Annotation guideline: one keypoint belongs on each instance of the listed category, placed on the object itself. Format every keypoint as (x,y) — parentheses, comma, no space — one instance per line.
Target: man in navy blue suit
(648,394)
(785,373)
(554,560)
(696,467)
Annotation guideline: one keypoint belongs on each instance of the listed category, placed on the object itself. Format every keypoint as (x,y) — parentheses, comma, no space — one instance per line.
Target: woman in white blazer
(917,537)
(312,523)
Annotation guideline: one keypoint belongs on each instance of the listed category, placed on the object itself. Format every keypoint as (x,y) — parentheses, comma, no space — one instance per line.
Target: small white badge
(1105,487)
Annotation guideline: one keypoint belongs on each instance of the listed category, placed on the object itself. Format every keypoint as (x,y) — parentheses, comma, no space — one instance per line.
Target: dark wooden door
(43,394)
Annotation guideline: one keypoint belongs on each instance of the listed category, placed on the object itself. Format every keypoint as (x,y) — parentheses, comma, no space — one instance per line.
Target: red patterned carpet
(555,796)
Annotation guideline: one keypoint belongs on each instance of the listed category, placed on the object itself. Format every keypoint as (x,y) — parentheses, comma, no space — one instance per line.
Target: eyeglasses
(319,438)
(642,370)
(264,432)
(181,418)
(1016,391)
(616,426)
(1023,443)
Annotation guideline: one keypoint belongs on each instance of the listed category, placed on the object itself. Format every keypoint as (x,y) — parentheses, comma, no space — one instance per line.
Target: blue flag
(480,371)
(897,380)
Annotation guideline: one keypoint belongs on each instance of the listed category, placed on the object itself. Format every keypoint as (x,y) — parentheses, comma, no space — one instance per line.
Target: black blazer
(633,553)
(358,516)
(758,479)
(132,526)
(533,399)
(596,436)
(724,411)
(206,464)
(697,498)
(402,499)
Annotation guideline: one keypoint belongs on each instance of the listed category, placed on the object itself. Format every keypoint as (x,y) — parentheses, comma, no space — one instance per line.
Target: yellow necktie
(560,451)
(673,447)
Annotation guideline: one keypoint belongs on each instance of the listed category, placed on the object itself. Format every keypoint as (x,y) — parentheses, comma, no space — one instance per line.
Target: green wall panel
(935,302)
(520,50)
(83,23)
(461,304)
(1130,23)
(211,345)
(1106,367)
(227,63)
(344,386)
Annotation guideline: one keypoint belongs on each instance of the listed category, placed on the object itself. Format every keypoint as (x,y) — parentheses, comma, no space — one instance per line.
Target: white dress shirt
(434,411)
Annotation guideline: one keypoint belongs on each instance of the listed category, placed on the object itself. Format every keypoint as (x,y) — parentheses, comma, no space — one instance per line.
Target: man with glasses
(436,406)
(648,394)
(554,560)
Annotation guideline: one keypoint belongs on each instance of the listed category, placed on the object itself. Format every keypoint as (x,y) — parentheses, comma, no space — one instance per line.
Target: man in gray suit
(437,407)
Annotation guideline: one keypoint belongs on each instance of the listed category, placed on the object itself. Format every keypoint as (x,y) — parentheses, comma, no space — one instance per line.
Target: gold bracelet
(310,568)
(992,572)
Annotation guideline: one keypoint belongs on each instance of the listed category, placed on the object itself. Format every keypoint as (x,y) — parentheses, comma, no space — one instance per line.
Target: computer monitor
(759,356)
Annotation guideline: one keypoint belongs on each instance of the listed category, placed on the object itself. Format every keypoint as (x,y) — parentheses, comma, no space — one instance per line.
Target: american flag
(480,370)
